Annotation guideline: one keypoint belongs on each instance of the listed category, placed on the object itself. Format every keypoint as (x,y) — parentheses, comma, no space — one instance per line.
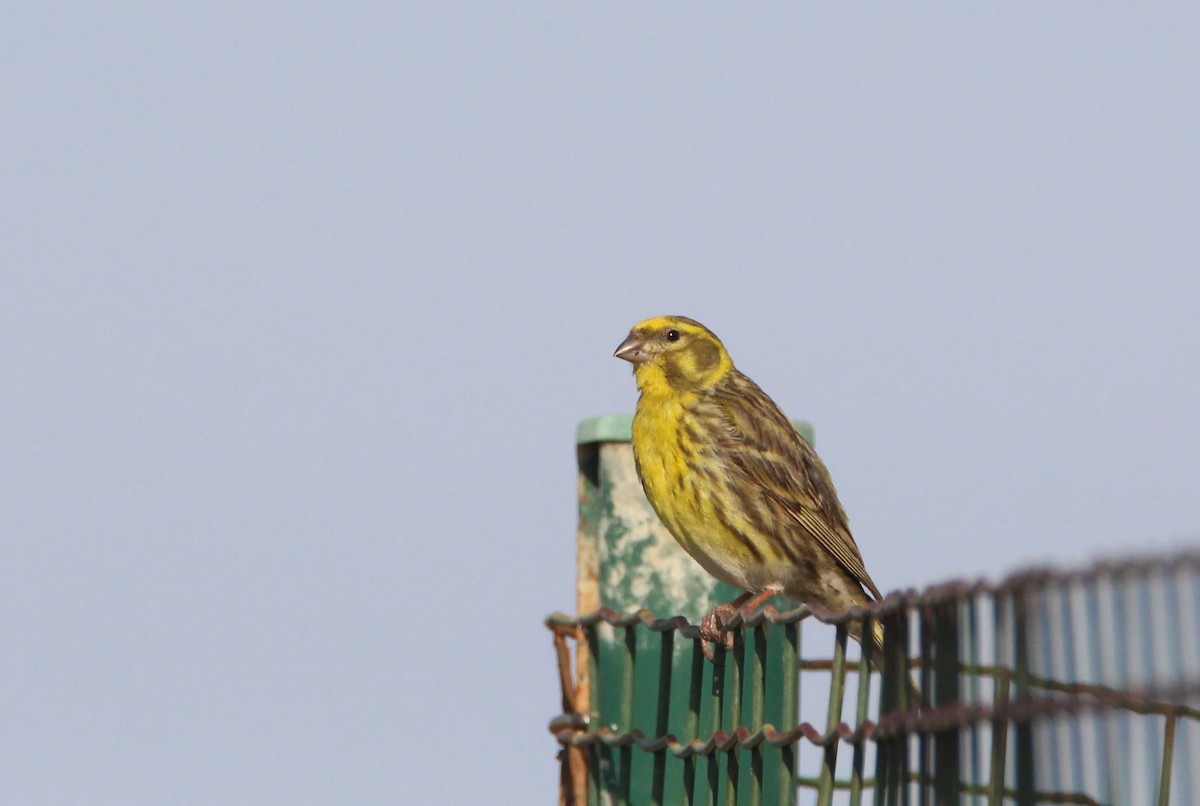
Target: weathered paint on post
(627,558)
(658,682)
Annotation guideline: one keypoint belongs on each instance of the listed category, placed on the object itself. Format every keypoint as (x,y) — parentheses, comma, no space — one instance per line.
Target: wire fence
(1080,687)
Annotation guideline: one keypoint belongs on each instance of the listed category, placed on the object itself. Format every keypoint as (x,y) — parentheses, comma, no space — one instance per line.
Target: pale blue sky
(301,306)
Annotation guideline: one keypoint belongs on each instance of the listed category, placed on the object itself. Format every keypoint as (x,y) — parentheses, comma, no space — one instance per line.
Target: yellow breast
(683,493)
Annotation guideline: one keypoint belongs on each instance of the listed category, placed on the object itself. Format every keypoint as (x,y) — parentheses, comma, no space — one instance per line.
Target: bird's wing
(758,439)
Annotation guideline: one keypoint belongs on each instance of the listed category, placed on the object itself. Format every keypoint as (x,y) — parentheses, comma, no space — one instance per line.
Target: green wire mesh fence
(1080,687)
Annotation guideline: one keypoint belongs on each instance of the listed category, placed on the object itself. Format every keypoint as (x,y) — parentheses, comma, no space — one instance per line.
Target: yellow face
(674,352)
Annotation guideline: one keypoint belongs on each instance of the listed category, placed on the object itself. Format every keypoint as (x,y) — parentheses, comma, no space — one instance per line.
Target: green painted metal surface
(660,682)
(637,563)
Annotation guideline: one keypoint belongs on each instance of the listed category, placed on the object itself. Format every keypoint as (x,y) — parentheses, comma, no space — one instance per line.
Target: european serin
(733,481)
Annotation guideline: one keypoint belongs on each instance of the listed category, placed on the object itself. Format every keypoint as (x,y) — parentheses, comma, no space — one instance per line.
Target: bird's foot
(713,629)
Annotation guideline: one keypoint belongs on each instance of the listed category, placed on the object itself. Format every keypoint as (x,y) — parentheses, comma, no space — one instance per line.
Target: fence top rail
(1187,560)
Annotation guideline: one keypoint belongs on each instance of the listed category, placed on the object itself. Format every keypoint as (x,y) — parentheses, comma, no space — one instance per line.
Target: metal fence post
(648,679)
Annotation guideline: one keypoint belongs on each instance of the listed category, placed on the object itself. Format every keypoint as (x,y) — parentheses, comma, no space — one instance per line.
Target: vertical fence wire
(1049,688)
(862,703)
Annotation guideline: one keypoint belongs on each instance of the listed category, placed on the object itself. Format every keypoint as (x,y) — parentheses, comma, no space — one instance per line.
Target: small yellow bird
(733,481)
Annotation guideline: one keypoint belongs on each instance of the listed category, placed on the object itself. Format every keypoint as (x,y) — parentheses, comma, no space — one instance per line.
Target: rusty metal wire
(572,729)
(1035,614)
(906,600)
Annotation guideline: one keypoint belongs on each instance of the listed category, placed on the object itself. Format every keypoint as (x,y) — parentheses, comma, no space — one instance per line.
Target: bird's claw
(713,629)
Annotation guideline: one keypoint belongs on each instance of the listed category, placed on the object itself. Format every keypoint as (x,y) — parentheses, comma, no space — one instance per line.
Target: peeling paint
(641,564)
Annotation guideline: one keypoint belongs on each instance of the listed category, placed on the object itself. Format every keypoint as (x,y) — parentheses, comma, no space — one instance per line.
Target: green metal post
(628,561)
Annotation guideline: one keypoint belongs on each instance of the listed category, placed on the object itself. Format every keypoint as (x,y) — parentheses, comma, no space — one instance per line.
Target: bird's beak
(633,350)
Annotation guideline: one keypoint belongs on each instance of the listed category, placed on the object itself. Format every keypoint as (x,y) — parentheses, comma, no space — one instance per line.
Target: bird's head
(674,354)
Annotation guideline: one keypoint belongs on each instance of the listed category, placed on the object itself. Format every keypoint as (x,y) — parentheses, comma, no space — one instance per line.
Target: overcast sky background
(301,306)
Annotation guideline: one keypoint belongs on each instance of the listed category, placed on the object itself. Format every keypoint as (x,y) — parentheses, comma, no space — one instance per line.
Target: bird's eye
(672,335)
